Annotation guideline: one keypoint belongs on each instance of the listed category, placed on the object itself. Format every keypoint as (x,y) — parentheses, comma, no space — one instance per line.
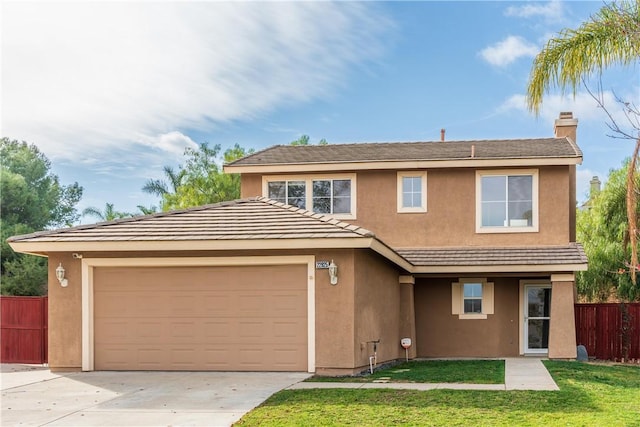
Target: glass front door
(537,309)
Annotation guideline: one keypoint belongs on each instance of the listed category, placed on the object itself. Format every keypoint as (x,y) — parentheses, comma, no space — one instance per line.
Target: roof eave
(45,247)
(403,164)
(503,268)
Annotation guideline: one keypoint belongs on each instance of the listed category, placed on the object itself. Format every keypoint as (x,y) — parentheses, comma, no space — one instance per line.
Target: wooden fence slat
(598,328)
(23,329)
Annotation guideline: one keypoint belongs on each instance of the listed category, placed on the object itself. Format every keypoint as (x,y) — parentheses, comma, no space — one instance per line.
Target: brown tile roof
(255,218)
(405,151)
(484,256)
(261,219)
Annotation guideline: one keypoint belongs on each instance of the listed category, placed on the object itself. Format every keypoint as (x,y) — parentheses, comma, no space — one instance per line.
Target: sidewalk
(521,373)
(15,374)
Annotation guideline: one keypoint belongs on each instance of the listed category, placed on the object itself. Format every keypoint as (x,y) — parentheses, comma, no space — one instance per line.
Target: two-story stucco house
(465,247)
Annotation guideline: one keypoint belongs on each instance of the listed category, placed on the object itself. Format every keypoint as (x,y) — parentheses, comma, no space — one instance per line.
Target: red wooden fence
(23,324)
(599,329)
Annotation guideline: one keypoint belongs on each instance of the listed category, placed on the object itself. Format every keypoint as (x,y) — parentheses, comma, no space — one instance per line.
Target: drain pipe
(373,359)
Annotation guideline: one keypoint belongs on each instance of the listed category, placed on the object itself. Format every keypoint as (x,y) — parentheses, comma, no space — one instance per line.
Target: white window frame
(457,298)
(534,227)
(416,174)
(308,179)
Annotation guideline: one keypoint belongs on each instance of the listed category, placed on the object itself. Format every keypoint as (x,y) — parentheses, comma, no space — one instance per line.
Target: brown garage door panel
(240,358)
(202,318)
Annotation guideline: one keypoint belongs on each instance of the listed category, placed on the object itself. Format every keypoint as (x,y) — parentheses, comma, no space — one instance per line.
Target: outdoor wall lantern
(60,276)
(333,273)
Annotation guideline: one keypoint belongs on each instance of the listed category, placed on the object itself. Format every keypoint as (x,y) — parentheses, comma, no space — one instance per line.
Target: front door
(537,309)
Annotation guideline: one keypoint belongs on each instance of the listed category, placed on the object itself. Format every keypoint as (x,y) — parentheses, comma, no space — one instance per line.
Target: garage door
(241,318)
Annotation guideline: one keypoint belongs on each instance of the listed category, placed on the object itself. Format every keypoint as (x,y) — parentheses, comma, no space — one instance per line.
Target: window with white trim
(507,201)
(472,298)
(333,195)
(412,192)
(289,192)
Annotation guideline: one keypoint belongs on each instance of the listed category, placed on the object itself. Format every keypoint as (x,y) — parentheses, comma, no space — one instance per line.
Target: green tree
(25,276)
(304,140)
(147,210)
(604,231)
(31,199)
(107,214)
(203,180)
(31,194)
(610,37)
(159,187)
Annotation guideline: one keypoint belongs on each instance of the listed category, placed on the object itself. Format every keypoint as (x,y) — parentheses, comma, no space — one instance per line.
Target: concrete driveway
(32,395)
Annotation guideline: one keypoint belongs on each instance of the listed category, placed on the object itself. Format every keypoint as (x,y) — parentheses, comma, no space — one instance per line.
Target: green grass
(433,371)
(590,395)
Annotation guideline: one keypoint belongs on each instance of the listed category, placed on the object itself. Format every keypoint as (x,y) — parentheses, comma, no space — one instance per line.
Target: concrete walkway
(32,395)
(522,373)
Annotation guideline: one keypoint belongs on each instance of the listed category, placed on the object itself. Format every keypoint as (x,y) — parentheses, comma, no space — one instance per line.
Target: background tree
(603,230)
(31,199)
(159,187)
(202,179)
(304,140)
(147,210)
(610,37)
(107,214)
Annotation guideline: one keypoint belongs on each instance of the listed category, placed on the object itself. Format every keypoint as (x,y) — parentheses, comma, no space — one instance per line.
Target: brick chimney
(442,132)
(566,125)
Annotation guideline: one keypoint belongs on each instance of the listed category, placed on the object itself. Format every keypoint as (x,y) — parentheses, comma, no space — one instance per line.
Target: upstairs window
(332,195)
(412,192)
(507,202)
(289,192)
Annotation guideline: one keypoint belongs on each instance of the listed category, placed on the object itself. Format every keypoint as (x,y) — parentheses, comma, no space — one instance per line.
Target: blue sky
(113,91)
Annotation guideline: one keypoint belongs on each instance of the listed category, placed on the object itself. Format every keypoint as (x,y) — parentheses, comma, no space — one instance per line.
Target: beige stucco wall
(408,317)
(573,203)
(335,315)
(450,219)
(442,334)
(377,309)
(65,315)
(250,185)
(562,332)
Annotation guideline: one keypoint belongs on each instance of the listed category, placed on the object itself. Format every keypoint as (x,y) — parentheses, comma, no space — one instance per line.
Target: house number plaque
(322,264)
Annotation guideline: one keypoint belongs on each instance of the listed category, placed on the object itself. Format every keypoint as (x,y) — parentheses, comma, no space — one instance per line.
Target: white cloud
(508,50)
(171,142)
(551,11)
(583,106)
(89,81)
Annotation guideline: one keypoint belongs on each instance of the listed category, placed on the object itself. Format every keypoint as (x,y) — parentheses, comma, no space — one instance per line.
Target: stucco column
(65,315)
(408,313)
(562,326)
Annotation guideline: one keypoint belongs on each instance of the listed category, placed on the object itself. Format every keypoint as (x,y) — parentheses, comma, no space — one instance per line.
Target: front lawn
(433,371)
(590,395)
